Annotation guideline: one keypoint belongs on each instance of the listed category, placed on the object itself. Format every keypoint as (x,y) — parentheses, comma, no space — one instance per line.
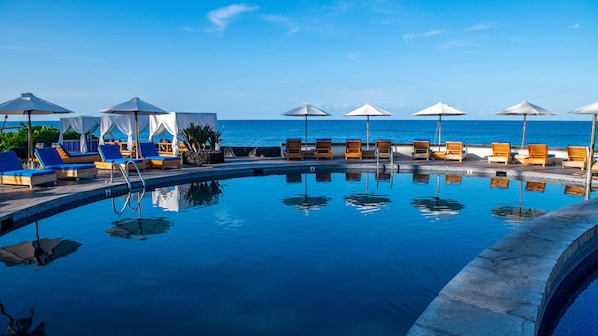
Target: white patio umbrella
(29,104)
(525,108)
(440,109)
(306,110)
(137,107)
(593,110)
(368,110)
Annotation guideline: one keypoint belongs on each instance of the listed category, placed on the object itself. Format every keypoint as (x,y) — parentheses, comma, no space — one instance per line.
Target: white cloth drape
(125,123)
(81,125)
(174,122)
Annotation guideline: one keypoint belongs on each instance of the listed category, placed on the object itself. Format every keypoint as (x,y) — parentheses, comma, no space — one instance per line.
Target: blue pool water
(298,254)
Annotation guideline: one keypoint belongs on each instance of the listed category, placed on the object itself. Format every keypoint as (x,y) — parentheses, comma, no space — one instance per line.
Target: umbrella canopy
(306,110)
(139,227)
(524,109)
(135,106)
(593,110)
(440,109)
(305,202)
(39,252)
(368,110)
(29,104)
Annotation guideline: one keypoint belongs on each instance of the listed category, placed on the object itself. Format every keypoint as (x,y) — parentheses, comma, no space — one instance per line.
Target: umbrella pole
(306,132)
(524,128)
(29,141)
(367,133)
(439,131)
(588,188)
(136,138)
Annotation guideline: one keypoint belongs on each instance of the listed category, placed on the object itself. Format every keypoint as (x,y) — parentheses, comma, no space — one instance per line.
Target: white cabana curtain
(81,125)
(124,123)
(173,122)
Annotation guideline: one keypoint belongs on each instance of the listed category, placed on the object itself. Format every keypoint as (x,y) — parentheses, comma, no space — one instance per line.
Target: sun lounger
(576,157)
(501,152)
(293,149)
(499,182)
(454,151)
(421,149)
(50,159)
(11,172)
(576,190)
(111,154)
(323,149)
(383,149)
(353,149)
(149,151)
(538,154)
(75,157)
(453,179)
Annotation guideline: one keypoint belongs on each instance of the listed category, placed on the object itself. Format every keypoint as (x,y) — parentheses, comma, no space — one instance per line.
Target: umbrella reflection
(303,201)
(367,203)
(519,214)
(139,227)
(39,252)
(436,207)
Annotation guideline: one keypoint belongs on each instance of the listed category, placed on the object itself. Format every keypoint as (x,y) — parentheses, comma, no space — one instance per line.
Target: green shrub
(18,138)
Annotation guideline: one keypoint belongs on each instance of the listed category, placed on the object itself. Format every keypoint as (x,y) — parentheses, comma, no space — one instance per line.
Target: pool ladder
(140,192)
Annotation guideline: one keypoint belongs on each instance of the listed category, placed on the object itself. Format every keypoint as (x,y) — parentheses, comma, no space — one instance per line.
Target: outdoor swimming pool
(299,254)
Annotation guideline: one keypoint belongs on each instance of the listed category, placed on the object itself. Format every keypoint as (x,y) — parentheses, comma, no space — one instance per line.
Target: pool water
(299,254)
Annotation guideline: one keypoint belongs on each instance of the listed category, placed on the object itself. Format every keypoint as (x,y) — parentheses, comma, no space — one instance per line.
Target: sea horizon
(273,132)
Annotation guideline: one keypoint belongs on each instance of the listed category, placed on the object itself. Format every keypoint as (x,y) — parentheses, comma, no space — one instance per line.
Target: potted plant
(197,136)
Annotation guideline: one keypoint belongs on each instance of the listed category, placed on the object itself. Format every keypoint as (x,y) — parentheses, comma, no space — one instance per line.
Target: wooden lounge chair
(454,151)
(501,152)
(324,149)
(576,157)
(49,158)
(293,149)
(111,154)
(421,149)
(353,149)
(538,154)
(76,157)
(383,149)
(11,172)
(576,190)
(149,151)
(453,179)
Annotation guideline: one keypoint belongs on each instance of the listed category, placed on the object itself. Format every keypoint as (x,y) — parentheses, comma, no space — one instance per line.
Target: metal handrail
(125,174)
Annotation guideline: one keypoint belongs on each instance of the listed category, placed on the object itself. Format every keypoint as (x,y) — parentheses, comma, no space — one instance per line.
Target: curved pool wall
(503,291)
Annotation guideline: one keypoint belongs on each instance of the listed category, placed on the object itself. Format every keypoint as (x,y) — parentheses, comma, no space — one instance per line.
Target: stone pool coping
(503,291)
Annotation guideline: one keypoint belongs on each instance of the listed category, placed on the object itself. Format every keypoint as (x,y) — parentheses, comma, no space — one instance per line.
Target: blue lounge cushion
(50,159)
(9,162)
(109,152)
(28,172)
(150,151)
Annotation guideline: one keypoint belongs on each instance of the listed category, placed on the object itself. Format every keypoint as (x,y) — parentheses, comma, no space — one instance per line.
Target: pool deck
(503,291)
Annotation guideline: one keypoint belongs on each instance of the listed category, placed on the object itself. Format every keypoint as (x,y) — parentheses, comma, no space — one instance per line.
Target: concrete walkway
(503,291)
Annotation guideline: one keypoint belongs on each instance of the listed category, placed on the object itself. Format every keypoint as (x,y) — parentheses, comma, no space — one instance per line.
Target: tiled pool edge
(505,289)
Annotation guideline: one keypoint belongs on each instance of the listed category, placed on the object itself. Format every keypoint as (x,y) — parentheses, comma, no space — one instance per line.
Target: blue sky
(258,59)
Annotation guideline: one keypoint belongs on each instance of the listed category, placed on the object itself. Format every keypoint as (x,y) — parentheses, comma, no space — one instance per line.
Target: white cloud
(221,17)
(456,44)
(411,36)
(285,22)
(352,56)
(575,26)
(483,26)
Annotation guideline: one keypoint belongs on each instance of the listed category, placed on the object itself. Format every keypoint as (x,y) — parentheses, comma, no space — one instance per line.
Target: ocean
(472,132)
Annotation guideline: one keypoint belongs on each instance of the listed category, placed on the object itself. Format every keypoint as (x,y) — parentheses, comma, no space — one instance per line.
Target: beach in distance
(472,132)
